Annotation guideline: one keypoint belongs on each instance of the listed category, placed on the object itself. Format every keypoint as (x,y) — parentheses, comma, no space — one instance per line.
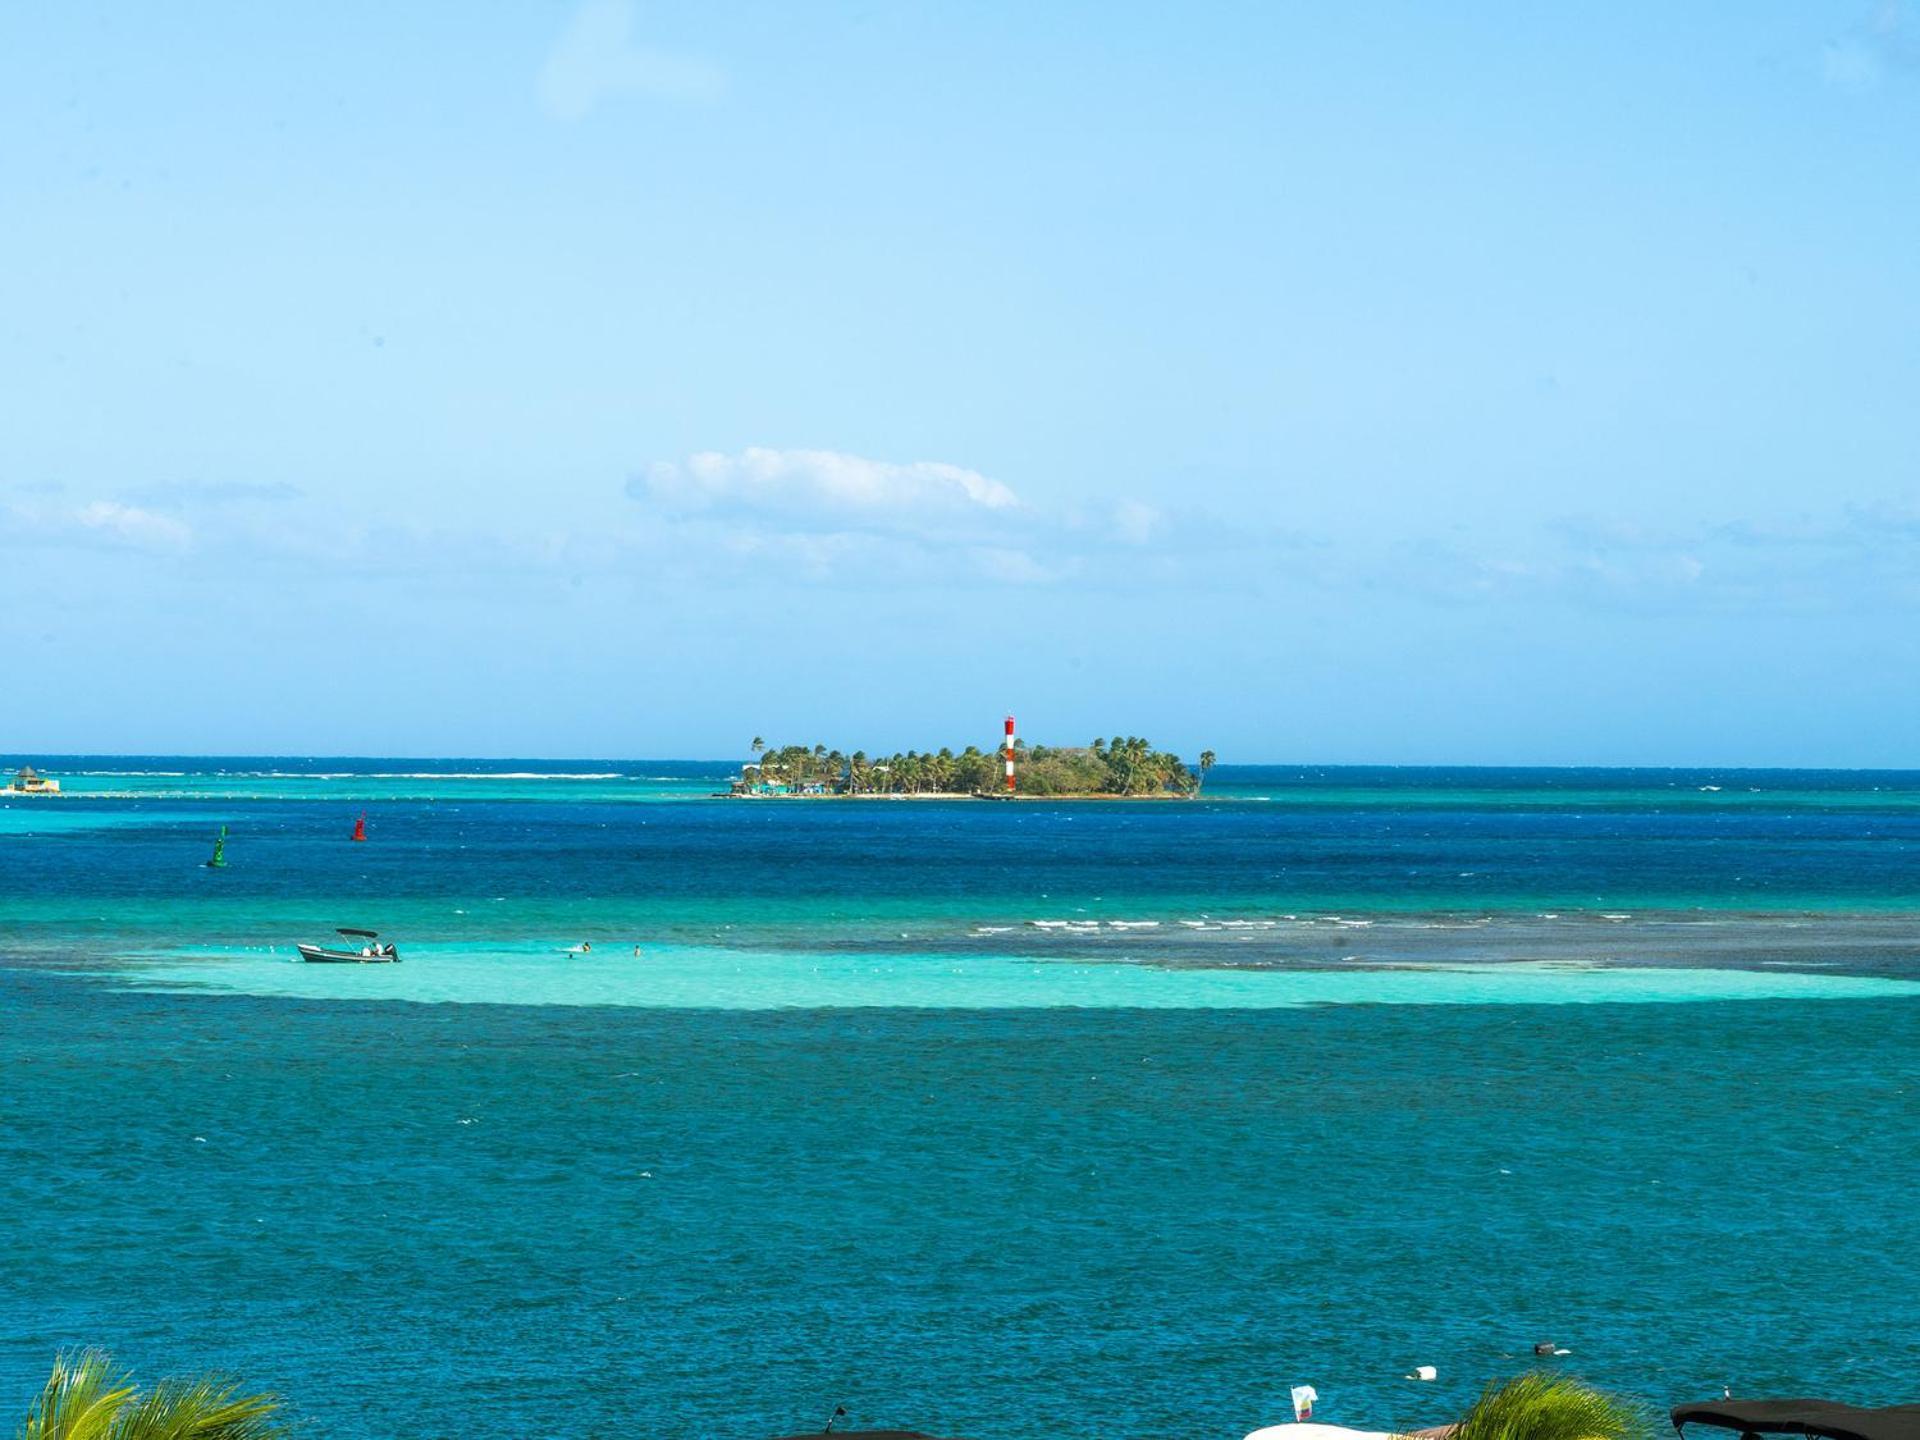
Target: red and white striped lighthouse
(1009,754)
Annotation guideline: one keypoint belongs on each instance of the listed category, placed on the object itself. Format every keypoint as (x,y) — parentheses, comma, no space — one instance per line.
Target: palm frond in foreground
(1538,1406)
(87,1399)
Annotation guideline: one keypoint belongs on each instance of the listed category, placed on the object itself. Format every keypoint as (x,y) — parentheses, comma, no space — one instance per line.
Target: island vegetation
(1125,766)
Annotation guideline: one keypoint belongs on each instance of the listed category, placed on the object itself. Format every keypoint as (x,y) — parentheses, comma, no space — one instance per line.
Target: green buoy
(219,860)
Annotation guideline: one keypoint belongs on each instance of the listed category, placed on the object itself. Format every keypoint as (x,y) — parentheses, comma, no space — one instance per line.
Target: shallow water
(1390,1069)
(710,978)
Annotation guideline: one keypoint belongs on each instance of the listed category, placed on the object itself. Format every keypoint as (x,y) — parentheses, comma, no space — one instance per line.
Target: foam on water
(705,977)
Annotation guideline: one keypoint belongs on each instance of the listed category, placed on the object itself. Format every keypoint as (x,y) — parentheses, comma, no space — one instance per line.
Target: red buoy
(360,827)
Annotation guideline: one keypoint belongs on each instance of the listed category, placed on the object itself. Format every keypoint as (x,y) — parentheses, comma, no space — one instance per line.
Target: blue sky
(1327,383)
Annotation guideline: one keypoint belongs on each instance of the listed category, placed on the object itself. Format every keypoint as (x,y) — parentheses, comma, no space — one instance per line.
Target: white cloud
(1850,559)
(824,489)
(830,516)
(595,59)
(134,526)
(99,522)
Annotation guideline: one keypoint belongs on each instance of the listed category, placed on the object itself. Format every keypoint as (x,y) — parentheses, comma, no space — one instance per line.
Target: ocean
(992,1120)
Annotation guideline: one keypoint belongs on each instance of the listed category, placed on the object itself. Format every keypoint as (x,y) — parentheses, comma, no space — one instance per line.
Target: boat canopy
(363,934)
(1828,1419)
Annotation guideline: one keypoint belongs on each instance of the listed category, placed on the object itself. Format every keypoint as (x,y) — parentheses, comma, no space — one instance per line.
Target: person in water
(585,946)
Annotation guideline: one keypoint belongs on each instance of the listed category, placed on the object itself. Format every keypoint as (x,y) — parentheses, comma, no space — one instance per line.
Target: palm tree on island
(1206,764)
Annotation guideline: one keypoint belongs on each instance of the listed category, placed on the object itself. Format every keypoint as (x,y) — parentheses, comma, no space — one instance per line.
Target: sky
(1392,383)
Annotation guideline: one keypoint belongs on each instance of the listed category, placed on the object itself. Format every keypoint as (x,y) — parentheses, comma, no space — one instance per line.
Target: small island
(1123,768)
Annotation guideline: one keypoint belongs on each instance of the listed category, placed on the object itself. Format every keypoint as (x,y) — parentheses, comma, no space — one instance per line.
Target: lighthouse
(1009,754)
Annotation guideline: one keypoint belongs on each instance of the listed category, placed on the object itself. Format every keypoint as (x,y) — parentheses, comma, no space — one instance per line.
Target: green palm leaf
(87,1399)
(81,1399)
(200,1410)
(1539,1406)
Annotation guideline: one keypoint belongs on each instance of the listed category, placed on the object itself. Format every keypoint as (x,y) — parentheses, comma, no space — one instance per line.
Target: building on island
(28,781)
(756,779)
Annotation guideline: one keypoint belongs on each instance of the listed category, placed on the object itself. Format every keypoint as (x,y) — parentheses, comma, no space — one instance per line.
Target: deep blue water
(1020,1224)
(631,846)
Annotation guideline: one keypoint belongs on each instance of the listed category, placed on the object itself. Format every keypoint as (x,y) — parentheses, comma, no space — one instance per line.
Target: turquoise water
(991,1120)
(693,977)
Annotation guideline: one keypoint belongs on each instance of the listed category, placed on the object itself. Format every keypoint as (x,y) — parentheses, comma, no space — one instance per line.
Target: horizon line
(12,755)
